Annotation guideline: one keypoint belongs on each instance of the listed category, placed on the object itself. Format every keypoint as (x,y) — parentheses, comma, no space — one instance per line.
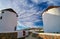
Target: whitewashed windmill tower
(8,19)
(51,19)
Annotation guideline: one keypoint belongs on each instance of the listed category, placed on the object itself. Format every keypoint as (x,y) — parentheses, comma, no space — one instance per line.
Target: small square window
(2,11)
(15,28)
(17,16)
(1,17)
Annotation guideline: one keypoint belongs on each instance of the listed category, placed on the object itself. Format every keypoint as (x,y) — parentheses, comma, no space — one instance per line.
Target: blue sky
(29,11)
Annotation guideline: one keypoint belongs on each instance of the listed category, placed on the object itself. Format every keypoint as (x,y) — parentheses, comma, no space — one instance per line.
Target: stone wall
(10,35)
(44,36)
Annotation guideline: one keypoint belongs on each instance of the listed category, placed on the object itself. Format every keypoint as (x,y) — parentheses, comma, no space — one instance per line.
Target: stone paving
(30,37)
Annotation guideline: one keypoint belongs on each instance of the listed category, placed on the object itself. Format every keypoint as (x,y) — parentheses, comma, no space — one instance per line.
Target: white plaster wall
(51,21)
(20,33)
(8,21)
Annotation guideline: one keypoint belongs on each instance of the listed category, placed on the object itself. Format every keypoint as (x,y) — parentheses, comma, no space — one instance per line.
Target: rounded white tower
(51,19)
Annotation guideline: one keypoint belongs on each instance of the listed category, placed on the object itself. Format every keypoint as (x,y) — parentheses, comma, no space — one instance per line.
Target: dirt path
(30,37)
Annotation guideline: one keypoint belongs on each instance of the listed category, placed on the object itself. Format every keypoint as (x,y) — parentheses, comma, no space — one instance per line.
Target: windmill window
(1,17)
(15,28)
(2,11)
(17,16)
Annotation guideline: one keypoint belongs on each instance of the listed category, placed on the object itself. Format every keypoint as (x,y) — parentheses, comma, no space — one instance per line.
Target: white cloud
(25,10)
(5,4)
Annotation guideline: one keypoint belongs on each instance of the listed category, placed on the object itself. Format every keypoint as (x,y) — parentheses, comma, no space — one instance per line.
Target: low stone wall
(48,36)
(10,35)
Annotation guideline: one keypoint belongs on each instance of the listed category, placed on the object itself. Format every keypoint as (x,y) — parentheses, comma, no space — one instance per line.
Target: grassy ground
(40,31)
